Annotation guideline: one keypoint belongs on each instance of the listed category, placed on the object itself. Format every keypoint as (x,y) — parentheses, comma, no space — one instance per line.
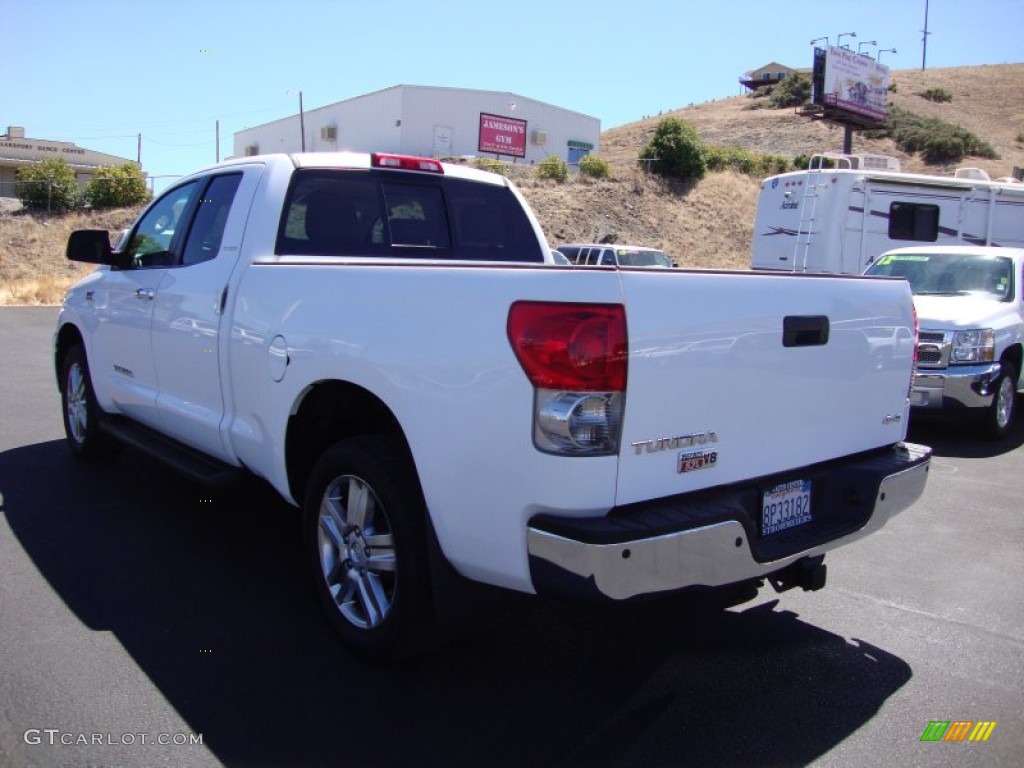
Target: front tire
(365,543)
(999,416)
(81,412)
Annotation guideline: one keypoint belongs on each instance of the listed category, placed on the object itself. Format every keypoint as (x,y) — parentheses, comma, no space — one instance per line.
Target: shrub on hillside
(675,151)
(492,165)
(744,161)
(773,164)
(48,185)
(936,94)
(791,91)
(595,167)
(732,158)
(936,140)
(553,167)
(117,186)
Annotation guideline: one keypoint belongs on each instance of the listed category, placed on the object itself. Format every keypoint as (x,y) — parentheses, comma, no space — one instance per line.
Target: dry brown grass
(706,224)
(33,269)
(699,225)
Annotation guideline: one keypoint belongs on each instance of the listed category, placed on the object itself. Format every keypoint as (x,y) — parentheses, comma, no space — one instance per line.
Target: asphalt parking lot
(136,608)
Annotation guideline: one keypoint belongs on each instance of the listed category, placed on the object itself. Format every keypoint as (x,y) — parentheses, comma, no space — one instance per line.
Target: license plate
(786,506)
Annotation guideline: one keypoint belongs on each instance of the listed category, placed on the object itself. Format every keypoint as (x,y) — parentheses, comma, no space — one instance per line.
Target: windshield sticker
(885,260)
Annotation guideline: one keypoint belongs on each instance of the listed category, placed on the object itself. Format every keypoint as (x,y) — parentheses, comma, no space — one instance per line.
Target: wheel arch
(67,337)
(1013,354)
(326,412)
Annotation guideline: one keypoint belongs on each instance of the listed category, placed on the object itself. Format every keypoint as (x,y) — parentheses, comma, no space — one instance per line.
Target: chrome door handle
(144,293)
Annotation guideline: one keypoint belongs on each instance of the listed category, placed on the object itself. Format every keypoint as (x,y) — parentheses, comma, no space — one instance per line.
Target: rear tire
(81,412)
(364,539)
(998,419)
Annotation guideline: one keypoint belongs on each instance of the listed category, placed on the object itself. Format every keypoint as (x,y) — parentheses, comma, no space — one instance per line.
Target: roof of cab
(351,160)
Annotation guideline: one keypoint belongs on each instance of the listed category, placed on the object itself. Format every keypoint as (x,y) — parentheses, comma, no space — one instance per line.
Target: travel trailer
(846,210)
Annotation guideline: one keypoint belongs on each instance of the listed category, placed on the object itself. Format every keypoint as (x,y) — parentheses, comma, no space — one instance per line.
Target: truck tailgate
(740,375)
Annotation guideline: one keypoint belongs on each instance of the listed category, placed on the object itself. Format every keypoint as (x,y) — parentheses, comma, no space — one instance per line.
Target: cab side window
(153,241)
(211,216)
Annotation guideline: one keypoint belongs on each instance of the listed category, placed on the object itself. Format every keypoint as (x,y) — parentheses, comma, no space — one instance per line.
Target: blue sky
(100,72)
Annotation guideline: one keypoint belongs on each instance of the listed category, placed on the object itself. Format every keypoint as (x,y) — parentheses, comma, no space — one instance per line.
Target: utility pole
(218,141)
(924,37)
(138,151)
(302,122)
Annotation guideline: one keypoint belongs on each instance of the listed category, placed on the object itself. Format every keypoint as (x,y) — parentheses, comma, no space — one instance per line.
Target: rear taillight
(575,355)
(405,162)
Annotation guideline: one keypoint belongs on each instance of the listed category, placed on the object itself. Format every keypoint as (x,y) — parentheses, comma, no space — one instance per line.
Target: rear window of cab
(397,214)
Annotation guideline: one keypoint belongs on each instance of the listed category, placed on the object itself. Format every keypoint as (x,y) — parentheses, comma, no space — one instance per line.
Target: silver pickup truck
(971,316)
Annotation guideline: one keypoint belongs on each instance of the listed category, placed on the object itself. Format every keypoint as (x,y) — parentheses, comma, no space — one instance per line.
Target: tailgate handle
(805,331)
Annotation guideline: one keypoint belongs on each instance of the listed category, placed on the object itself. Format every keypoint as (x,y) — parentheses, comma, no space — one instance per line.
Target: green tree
(117,186)
(553,167)
(675,150)
(48,185)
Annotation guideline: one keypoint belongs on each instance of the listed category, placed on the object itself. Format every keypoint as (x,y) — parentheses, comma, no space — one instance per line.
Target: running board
(187,461)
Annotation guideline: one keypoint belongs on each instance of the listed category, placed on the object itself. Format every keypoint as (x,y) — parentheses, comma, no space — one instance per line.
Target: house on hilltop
(770,74)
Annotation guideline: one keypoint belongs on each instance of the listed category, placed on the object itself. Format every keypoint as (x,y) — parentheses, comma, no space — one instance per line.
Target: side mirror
(91,246)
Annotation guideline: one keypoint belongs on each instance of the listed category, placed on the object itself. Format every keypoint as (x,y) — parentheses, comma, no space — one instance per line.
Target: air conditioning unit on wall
(329,133)
(252,149)
(539,138)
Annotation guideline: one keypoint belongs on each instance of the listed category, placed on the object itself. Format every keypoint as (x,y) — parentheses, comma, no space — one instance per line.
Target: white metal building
(431,121)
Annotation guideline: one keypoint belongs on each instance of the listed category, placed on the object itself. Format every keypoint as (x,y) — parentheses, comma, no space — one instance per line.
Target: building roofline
(409,86)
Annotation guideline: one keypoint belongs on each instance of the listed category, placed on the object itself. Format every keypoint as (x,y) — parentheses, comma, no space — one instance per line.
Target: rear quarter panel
(431,342)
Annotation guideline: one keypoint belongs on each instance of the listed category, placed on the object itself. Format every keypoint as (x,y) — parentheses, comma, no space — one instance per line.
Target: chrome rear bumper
(591,558)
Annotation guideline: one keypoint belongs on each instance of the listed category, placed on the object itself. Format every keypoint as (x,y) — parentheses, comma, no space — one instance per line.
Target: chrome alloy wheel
(357,552)
(1005,396)
(77,403)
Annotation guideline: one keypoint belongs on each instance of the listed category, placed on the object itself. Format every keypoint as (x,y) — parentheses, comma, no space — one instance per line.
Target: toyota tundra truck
(387,342)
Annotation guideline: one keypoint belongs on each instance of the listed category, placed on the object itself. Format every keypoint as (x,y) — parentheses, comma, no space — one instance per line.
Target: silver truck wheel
(365,544)
(357,551)
(80,410)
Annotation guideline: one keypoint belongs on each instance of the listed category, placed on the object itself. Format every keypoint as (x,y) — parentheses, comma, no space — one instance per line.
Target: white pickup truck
(971,315)
(385,340)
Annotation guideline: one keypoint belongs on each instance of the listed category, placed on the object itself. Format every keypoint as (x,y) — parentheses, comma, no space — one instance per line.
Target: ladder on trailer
(809,204)
(808,207)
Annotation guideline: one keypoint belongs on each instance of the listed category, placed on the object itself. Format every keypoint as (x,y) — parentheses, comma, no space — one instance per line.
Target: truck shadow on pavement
(963,439)
(208,597)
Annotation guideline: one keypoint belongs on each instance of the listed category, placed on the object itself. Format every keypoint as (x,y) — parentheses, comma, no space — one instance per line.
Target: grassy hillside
(705,224)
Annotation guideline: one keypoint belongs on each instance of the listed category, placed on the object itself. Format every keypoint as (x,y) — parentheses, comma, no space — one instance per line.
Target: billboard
(851,82)
(502,135)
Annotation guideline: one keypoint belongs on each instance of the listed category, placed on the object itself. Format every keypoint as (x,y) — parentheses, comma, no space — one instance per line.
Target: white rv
(845,210)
